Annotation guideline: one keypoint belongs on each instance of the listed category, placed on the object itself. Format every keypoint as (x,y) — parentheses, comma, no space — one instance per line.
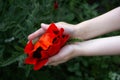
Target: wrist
(79,50)
(80,30)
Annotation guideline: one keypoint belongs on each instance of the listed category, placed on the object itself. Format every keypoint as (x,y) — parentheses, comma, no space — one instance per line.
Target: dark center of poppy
(37,54)
(56,32)
(63,36)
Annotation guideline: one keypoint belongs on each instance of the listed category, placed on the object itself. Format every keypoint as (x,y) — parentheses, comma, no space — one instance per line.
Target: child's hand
(69,29)
(66,53)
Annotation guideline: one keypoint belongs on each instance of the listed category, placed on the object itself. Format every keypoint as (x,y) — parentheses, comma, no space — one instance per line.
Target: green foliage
(72,40)
(19,18)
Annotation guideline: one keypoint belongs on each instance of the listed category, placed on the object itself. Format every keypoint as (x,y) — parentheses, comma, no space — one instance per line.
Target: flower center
(36,54)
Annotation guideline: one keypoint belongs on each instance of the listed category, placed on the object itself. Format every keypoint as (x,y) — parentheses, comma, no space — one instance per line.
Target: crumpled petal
(29,47)
(44,54)
(52,28)
(30,60)
(40,64)
(46,40)
(64,39)
(54,49)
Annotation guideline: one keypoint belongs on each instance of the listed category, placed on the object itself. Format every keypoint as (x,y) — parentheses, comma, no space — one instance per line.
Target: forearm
(102,46)
(105,23)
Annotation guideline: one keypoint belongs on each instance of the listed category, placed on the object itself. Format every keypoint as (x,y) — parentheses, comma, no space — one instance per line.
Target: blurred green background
(19,18)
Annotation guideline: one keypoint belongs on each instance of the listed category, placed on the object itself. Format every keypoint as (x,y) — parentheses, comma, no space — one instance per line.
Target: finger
(63,54)
(53,59)
(57,63)
(44,26)
(39,32)
(36,34)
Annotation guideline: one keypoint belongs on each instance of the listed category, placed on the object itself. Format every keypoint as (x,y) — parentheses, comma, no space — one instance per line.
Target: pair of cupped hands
(68,52)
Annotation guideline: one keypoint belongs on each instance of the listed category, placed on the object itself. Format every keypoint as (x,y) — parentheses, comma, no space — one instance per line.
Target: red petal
(40,64)
(64,39)
(36,46)
(30,60)
(29,47)
(44,54)
(61,31)
(54,49)
(52,28)
(46,40)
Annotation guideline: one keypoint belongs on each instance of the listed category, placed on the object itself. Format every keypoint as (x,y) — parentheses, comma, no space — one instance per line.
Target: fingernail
(29,37)
(42,24)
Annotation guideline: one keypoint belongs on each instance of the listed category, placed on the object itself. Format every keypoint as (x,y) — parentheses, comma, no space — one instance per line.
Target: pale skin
(86,30)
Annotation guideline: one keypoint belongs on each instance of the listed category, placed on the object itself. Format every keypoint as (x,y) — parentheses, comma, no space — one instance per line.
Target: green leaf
(18,48)
(11,60)
(72,40)
(28,68)
(1,51)
(70,17)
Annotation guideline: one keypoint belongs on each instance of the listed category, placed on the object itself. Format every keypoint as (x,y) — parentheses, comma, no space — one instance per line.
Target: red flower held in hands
(48,45)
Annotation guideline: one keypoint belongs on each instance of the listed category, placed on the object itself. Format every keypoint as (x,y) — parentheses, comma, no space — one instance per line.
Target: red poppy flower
(48,45)
(55,5)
